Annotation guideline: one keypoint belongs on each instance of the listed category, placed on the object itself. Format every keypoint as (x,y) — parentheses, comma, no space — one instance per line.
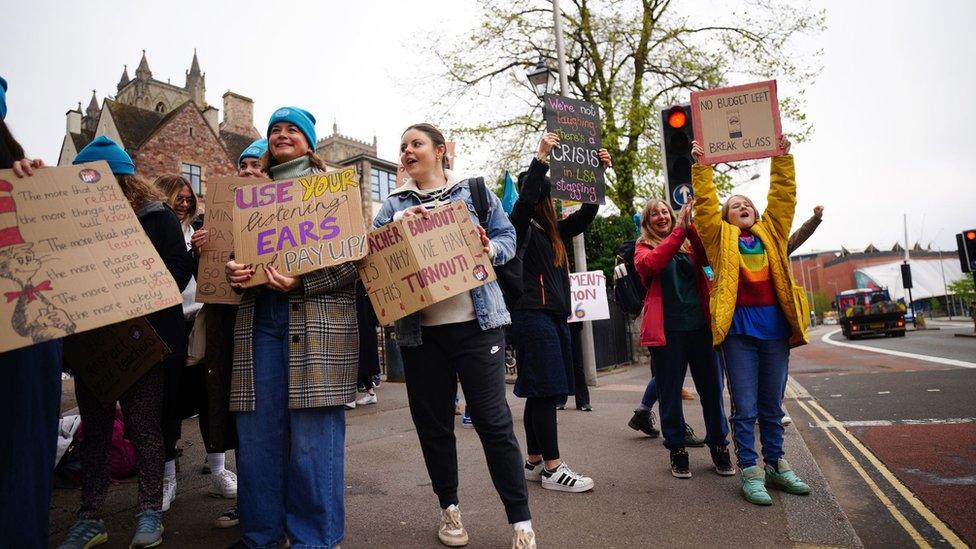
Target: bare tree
(630,57)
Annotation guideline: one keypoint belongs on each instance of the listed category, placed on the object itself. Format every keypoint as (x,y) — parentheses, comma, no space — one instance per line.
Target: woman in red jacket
(670,258)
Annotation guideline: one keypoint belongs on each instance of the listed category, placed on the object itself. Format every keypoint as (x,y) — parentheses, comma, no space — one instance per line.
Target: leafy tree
(963,288)
(821,303)
(631,58)
(603,238)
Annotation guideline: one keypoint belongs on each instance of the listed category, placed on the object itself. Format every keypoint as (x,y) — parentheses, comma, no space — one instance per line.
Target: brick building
(167,129)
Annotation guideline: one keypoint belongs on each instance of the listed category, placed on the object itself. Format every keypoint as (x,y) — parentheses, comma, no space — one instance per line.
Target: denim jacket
(489,305)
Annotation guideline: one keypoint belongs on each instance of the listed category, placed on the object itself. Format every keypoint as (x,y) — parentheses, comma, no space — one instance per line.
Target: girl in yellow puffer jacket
(758,312)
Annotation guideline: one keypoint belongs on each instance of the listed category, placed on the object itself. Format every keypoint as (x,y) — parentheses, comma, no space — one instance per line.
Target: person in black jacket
(145,403)
(539,319)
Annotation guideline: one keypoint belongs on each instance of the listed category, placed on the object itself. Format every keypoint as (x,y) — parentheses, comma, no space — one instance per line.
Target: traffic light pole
(579,249)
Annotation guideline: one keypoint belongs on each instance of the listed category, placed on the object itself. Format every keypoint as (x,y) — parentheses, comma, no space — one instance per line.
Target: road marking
(936,359)
(898,516)
(933,390)
(884,392)
(836,396)
(890,422)
(916,504)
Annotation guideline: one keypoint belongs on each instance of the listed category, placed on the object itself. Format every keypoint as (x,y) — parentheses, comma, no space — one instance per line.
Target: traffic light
(676,137)
(966,242)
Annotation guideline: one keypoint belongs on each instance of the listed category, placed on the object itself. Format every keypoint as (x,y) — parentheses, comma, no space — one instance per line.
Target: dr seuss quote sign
(737,123)
(416,262)
(576,173)
(299,225)
(73,256)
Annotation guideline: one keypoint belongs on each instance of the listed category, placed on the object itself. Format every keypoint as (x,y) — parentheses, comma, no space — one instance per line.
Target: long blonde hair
(648,235)
(170,186)
(138,191)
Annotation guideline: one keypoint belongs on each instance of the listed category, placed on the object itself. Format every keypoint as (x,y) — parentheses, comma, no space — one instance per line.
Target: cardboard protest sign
(575,172)
(299,225)
(737,123)
(212,285)
(417,262)
(73,256)
(588,291)
(110,359)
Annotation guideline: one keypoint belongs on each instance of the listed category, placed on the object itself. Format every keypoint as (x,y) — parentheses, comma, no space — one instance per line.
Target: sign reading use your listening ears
(299,225)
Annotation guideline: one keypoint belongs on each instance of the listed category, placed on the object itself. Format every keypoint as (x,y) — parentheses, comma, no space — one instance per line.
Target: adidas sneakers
(565,479)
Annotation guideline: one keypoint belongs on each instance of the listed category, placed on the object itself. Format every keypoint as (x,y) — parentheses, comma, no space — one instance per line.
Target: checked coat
(323,342)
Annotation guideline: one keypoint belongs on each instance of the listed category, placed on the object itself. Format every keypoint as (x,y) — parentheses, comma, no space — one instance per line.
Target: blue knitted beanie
(103,148)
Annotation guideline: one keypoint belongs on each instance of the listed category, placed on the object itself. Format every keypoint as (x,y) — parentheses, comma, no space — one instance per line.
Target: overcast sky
(893,108)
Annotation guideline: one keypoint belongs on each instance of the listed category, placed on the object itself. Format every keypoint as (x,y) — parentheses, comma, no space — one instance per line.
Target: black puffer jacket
(546,286)
(164,231)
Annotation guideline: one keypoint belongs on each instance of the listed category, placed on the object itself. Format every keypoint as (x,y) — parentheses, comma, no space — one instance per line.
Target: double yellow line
(829,422)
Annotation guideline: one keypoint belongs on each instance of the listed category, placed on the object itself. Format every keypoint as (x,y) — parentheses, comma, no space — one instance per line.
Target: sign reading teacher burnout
(212,285)
(737,123)
(299,225)
(416,262)
(576,173)
(73,256)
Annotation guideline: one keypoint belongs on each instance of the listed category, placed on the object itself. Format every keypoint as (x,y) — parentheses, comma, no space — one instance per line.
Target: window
(160,107)
(381,183)
(192,173)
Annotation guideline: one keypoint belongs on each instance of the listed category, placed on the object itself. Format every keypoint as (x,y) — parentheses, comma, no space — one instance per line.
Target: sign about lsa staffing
(575,172)
(299,225)
(589,296)
(737,123)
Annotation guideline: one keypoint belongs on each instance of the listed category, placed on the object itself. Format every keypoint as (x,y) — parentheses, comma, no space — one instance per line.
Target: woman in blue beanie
(295,354)
(142,404)
(30,402)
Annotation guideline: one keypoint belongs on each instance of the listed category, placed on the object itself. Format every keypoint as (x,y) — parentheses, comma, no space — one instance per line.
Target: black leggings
(539,418)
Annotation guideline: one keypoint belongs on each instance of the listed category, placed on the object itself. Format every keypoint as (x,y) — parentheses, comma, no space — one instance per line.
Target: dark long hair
(545,215)
(10,149)
(436,137)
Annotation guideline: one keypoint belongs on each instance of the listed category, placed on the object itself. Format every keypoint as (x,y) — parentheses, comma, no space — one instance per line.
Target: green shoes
(754,486)
(783,478)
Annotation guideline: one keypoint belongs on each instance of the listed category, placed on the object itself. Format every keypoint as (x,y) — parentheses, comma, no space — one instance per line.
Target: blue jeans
(30,404)
(650,393)
(757,371)
(289,462)
(692,349)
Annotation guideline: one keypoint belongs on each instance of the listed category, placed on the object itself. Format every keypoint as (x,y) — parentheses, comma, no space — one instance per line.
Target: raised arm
(651,261)
(805,231)
(781,201)
(708,211)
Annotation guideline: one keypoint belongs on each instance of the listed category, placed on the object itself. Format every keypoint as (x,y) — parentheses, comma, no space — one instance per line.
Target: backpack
(628,288)
(510,274)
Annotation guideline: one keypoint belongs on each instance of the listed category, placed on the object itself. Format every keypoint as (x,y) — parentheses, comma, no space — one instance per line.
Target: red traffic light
(970,235)
(677,118)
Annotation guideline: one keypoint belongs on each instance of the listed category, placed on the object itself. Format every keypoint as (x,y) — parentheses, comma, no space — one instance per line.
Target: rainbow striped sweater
(757,314)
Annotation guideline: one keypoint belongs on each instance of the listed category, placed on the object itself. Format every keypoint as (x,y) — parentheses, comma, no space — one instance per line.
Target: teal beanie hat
(103,148)
(254,150)
(302,119)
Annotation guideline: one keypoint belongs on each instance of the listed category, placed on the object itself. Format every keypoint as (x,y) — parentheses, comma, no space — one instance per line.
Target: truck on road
(870,311)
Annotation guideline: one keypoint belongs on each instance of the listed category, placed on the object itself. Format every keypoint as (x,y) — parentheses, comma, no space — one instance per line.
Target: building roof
(235,143)
(81,139)
(135,125)
(929,277)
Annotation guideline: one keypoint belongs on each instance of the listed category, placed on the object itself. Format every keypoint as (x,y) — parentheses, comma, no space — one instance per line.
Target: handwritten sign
(418,262)
(73,256)
(588,291)
(212,285)
(576,171)
(110,359)
(737,123)
(299,225)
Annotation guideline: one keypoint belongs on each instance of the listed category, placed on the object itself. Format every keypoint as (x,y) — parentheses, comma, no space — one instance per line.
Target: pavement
(636,502)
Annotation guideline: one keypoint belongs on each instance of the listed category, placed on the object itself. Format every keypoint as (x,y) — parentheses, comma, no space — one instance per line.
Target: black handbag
(509,274)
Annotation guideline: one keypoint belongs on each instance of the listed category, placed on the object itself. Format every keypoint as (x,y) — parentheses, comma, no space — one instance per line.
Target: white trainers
(350,405)
(368,399)
(223,484)
(786,421)
(565,480)
(533,472)
(523,539)
(169,492)
(452,532)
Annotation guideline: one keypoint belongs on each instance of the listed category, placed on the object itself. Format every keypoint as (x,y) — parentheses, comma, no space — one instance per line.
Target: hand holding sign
(737,123)
(576,165)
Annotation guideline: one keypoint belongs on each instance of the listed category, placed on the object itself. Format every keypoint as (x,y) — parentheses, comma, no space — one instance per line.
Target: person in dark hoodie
(144,402)
(539,325)
(30,396)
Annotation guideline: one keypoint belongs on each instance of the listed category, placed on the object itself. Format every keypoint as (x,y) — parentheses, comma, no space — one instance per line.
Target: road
(895,434)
